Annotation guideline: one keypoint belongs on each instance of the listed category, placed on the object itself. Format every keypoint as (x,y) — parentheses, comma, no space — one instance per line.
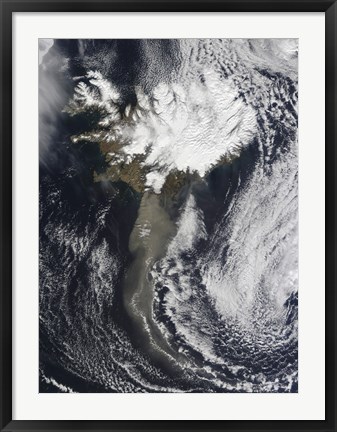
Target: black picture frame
(10,7)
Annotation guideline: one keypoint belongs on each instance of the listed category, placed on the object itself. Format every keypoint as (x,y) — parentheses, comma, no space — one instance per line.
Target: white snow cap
(205,110)
(190,127)
(181,126)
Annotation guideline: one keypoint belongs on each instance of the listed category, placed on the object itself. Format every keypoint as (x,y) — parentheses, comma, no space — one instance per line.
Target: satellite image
(168,205)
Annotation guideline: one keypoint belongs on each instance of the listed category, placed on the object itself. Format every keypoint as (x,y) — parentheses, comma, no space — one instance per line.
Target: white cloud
(44,47)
